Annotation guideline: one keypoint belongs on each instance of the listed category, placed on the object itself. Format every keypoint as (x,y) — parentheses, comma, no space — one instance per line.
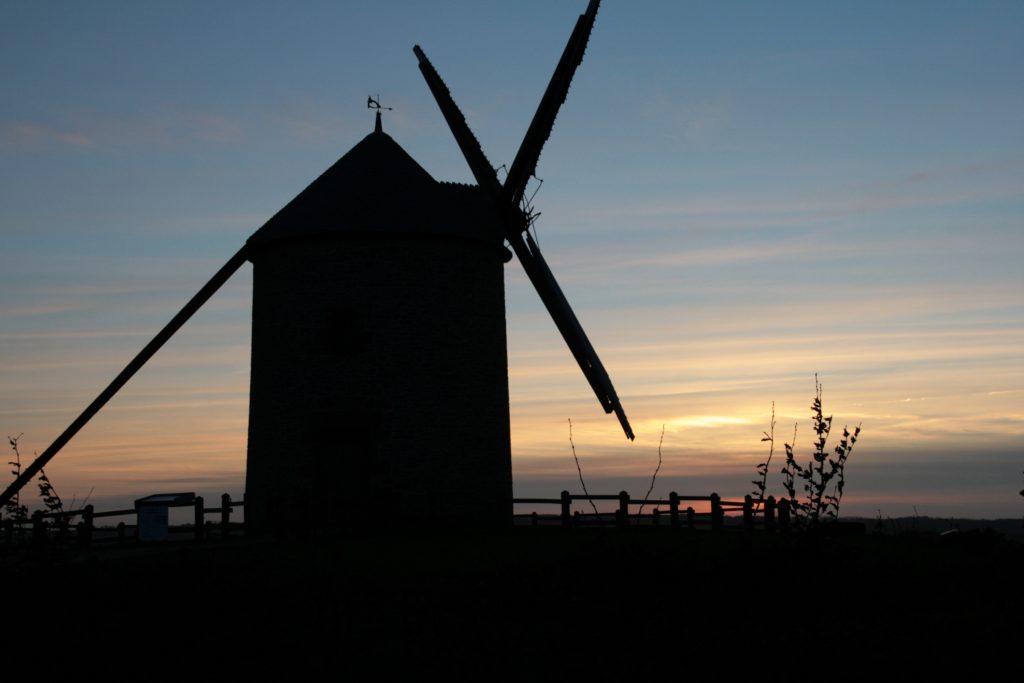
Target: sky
(736,197)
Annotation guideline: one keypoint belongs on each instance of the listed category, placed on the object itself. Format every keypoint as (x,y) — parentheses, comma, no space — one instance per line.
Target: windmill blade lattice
(506,201)
(525,163)
(481,168)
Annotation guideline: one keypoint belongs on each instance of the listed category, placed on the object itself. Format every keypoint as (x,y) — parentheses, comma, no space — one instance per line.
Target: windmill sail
(506,200)
(470,146)
(572,332)
(219,278)
(525,163)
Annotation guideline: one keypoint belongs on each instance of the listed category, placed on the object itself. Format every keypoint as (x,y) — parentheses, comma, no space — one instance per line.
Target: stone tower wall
(379,383)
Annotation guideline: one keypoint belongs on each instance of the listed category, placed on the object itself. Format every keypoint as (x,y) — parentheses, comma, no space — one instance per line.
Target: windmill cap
(378,188)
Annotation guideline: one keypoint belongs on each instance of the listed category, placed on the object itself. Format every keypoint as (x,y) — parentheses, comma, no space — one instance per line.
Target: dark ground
(532,602)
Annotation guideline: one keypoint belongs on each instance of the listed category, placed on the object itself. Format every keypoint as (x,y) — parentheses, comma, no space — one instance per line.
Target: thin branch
(654,477)
(51,499)
(87,497)
(762,485)
(13,507)
(578,469)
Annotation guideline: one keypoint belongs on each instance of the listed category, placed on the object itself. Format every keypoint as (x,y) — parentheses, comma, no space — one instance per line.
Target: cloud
(931,187)
(15,134)
(945,172)
(587,260)
(298,116)
(213,127)
(30,310)
(691,120)
(165,124)
(38,335)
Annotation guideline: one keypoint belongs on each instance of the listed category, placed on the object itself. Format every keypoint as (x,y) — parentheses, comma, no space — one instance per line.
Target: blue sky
(735,197)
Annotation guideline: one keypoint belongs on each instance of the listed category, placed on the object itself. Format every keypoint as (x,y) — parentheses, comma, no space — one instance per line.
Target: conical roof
(378,188)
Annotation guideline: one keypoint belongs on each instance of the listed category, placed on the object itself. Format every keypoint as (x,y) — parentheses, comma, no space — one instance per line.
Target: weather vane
(374,103)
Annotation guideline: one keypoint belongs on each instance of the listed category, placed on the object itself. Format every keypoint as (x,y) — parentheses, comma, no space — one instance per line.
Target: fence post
(784,515)
(566,509)
(691,518)
(656,517)
(717,515)
(38,526)
(748,513)
(121,529)
(87,525)
(225,515)
(533,518)
(245,522)
(200,518)
(622,514)
(769,514)
(577,519)
(673,503)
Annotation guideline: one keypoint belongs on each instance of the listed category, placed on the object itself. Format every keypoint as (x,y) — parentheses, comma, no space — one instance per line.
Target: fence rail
(773,515)
(766,514)
(46,525)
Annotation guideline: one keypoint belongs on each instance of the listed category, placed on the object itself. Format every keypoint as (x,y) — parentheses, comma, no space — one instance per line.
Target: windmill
(379,359)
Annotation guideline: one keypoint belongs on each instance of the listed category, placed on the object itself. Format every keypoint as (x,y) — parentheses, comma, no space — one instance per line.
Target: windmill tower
(379,350)
(379,360)
(379,369)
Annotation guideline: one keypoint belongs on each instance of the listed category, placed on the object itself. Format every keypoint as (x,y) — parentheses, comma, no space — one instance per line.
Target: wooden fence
(765,514)
(44,526)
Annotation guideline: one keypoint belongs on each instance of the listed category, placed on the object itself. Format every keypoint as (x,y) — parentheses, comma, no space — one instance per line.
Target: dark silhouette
(379,359)
(508,199)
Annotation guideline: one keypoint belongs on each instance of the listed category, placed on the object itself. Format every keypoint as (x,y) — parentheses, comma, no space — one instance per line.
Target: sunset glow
(732,202)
